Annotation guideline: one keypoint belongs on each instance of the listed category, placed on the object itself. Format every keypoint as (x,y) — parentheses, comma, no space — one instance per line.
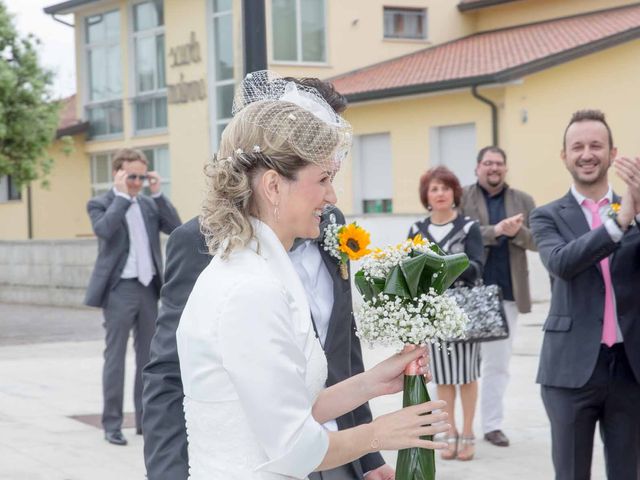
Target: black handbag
(483,306)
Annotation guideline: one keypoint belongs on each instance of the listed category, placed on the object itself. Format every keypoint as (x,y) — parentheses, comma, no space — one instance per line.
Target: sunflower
(615,207)
(353,241)
(418,240)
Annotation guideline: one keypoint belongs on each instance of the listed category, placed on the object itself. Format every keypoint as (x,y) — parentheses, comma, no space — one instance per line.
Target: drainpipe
(494,113)
(255,35)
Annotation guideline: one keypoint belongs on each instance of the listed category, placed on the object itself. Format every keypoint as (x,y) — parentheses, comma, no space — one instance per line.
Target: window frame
(14,194)
(357,178)
(299,47)
(138,97)
(425,15)
(87,103)
(213,84)
(92,172)
(164,180)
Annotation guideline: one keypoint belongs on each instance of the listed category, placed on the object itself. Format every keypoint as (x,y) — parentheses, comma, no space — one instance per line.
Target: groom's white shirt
(318,286)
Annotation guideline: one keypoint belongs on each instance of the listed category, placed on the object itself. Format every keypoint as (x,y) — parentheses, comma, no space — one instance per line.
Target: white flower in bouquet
(428,318)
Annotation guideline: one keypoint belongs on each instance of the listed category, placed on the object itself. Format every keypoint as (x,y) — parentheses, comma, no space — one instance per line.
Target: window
(101,179)
(150,104)
(101,175)
(299,31)
(9,189)
(158,158)
(104,74)
(405,23)
(223,65)
(454,146)
(373,173)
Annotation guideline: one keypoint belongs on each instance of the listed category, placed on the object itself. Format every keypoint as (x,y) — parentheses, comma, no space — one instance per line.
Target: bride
(252,368)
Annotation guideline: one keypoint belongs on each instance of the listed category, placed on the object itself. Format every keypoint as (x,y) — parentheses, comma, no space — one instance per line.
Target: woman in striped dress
(453,364)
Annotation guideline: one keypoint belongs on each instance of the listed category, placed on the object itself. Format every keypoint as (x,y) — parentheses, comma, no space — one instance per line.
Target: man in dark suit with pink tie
(590,360)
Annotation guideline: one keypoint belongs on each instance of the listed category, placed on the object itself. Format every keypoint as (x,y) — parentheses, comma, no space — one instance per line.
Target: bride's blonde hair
(253,142)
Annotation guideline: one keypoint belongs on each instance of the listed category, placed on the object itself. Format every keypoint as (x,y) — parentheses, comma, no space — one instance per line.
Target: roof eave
(464,7)
(67,7)
(503,75)
(74,129)
(419,88)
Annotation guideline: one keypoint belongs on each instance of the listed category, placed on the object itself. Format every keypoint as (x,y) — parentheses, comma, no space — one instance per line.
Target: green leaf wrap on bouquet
(415,463)
(415,275)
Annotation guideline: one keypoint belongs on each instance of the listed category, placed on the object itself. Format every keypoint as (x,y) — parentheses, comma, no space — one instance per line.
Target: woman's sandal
(467,448)
(450,452)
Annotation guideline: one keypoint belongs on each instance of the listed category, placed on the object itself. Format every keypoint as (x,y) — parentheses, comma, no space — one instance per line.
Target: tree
(28,114)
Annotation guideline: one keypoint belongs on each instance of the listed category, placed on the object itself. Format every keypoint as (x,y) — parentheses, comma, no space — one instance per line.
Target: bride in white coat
(252,368)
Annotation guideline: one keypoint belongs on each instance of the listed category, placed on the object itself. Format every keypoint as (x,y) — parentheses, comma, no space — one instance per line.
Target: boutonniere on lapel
(346,242)
(614,208)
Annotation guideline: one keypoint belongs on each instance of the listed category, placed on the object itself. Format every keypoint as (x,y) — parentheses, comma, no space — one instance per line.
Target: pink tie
(609,323)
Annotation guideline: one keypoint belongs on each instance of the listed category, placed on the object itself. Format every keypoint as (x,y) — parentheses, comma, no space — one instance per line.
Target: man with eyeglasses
(127,276)
(503,214)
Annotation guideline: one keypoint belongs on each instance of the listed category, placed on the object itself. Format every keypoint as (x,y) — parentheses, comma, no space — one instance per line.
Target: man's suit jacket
(107,213)
(515,201)
(571,252)
(163,424)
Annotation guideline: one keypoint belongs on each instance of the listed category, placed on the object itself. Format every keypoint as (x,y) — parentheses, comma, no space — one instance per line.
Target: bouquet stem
(415,463)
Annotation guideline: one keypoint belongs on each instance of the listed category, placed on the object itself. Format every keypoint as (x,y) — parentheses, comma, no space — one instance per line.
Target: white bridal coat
(251,368)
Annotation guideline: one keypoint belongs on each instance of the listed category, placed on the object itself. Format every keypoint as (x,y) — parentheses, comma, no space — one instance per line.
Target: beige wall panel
(355,34)
(13,219)
(409,122)
(189,140)
(606,80)
(529,11)
(60,211)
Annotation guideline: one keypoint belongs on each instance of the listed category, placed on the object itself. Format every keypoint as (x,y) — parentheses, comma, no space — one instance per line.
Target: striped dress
(459,362)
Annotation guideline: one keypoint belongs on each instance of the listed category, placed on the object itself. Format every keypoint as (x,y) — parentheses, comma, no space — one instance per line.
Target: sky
(56,51)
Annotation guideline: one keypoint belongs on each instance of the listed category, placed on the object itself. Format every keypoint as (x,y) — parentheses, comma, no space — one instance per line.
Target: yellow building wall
(61,210)
(408,121)
(355,34)
(13,219)
(533,146)
(58,211)
(530,11)
(605,80)
(189,123)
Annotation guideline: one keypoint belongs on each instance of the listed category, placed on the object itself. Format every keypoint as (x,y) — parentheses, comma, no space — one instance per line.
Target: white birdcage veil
(295,113)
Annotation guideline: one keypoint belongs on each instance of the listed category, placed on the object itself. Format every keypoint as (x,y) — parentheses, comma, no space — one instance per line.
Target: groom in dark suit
(590,360)
(165,446)
(127,276)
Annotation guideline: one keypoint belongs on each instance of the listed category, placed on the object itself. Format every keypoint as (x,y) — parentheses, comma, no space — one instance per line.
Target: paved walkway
(50,364)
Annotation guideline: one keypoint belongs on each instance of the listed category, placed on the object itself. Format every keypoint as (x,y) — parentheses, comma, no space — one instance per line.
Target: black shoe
(115,437)
(138,430)
(497,438)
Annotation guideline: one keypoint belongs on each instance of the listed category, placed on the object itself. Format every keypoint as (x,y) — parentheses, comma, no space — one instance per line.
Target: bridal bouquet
(402,288)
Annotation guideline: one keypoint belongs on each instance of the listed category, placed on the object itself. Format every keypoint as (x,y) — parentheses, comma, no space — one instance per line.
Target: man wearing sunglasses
(127,276)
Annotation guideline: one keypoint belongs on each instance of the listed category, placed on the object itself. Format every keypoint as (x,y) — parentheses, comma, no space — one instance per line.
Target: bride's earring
(276,213)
